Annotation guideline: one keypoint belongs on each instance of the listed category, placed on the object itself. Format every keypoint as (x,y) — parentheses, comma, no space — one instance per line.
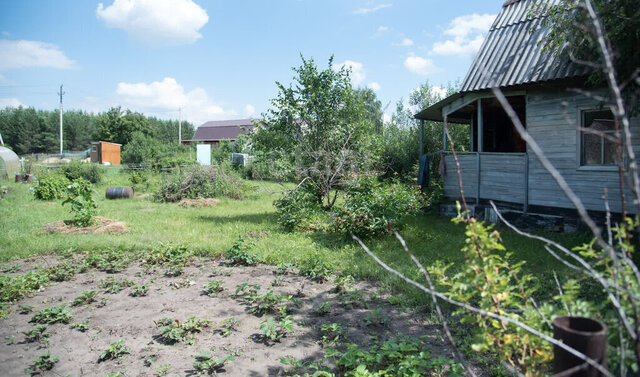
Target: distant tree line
(26,130)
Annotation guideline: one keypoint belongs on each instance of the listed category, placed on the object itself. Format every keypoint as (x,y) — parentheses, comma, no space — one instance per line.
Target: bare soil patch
(364,314)
(186,203)
(103,225)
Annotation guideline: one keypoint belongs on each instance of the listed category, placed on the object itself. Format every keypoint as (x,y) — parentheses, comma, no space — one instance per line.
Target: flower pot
(587,335)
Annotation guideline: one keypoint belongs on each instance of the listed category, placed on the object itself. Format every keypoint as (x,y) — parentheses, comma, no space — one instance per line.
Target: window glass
(597,146)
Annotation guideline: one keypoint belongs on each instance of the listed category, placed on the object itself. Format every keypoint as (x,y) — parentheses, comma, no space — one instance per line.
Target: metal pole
(61,94)
(180,125)
(1,141)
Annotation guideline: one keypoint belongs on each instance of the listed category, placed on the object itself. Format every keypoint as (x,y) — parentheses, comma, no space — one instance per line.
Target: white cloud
(156,22)
(382,29)
(386,118)
(168,95)
(419,65)
(371,10)
(357,71)
(374,86)
(23,54)
(249,110)
(406,42)
(467,32)
(440,91)
(10,102)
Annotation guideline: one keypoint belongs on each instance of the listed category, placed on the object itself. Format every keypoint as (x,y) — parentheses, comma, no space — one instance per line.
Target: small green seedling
(376,318)
(113,286)
(53,314)
(228,326)
(284,269)
(62,272)
(265,303)
(38,333)
(214,287)
(25,309)
(205,363)
(343,284)
(247,290)
(331,333)
(173,271)
(278,281)
(11,269)
(274,331)
(102,303)
(42,363)
(219,271)
(174,331)
(163,370)
(139,290)
(80,326)
(323,308)
(116,350)
(85,298)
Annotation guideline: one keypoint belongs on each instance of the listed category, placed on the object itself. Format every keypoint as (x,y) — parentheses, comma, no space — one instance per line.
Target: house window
(597,148)
(94,149)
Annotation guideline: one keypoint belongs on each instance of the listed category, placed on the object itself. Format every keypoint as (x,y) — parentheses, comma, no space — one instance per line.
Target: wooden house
(105,152)
(538,85)
(213,132)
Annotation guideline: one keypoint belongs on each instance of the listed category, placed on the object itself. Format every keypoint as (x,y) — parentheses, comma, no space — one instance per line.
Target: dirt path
(121,316)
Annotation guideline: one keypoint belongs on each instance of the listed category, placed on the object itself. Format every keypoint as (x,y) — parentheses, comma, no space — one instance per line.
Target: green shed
(9,163)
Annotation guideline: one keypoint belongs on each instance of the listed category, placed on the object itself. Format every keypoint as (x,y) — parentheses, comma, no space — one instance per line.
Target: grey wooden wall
(552,118)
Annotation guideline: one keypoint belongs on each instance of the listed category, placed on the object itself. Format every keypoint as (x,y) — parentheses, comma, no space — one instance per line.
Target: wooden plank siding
(552,119)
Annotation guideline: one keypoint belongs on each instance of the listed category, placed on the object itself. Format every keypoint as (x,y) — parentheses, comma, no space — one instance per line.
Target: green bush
(83,207)
(201,182)
(77,169)
(51,187)
(372,207)
(297,208)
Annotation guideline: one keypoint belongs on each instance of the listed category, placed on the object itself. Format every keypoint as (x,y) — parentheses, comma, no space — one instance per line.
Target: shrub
(83,207)
(240,254)
(78,169)
(201,182)
(298,208)
(372,207)
(51,187)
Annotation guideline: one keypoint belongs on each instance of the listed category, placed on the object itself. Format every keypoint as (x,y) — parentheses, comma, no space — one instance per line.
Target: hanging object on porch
(423,171)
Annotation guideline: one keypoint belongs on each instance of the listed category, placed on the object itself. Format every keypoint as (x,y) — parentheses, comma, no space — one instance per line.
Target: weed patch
(53,314)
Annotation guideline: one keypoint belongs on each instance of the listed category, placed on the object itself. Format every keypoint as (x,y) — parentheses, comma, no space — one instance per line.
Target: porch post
(480,127)
(480,149)
(421,137)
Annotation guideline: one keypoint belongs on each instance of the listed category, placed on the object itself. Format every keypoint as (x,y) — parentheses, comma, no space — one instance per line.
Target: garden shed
(105,152)
(9,163)
(538,85)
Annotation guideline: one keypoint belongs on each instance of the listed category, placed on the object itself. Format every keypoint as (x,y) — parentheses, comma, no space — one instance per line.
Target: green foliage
(116,350)
(572,34)
(119,126)
(78,169)
(317,269)
(44,362)
(81,326)
(228,326)
(373,208)
(201,182)
(38,333)
(62,272)
(110,261)
(322,308)
(324,123)
(332,333)
(205,363)
(274,331)
(240,254)
(296,209)
(406,357)
(53,314)
(174,331)
(14,288)
(167,255)
(83,207)
(214,287)
(114,285)
(85,298)
(51,187)
(268,302)
(143,148)
(139,290)
(343,284)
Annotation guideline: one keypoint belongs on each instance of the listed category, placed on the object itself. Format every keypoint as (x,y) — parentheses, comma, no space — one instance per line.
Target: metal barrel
(586,335)
(119,192)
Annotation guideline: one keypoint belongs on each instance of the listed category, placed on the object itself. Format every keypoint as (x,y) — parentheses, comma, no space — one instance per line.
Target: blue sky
(220,59)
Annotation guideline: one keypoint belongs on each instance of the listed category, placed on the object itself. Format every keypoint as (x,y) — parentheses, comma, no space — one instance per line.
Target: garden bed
(133,303)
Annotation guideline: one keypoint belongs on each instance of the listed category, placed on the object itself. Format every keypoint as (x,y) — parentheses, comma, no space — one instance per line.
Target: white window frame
(580,133)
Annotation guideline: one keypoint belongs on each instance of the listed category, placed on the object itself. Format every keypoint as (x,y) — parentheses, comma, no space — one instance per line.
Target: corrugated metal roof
(512,54)
(223,130)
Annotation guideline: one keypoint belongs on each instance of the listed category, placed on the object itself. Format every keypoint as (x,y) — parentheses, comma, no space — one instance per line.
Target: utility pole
(179,125)
(61,94)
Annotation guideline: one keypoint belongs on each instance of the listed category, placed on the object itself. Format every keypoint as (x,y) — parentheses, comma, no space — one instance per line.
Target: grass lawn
(214,230)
